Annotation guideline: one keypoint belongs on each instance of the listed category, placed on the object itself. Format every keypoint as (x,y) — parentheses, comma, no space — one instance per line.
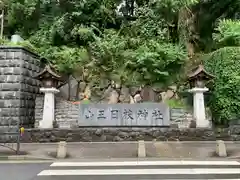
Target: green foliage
(69,59)
(176,103)
(137,51)
(225,101)
(89,40)
(63,20)
(159,19)
(25,44)
(157,62)
(137,60)
(149,24)
(85,101)
(224,63)
(108,57)
(228,33)
(142,51)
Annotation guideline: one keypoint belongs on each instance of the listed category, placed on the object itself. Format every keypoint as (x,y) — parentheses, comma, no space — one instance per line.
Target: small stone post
(141,149)
(221,150)
(50,81)
(197,80)
(62,150)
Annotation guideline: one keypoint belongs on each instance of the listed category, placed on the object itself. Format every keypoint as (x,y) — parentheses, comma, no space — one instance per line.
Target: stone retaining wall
(129,134)
(66,114)
(18,88)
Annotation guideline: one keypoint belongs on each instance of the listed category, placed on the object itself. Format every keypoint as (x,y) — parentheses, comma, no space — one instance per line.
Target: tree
(199,21)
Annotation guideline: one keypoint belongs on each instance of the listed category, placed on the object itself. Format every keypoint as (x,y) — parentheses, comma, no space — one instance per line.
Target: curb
(131,142)
(19,159)
(23,157)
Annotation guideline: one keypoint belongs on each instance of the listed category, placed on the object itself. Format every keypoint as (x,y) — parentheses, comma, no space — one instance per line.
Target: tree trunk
(187,30)
(69,89)
(87,92)
(190,49)
(78,90)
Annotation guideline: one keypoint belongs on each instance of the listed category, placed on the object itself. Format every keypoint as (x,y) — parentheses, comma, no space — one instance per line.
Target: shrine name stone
(143,114)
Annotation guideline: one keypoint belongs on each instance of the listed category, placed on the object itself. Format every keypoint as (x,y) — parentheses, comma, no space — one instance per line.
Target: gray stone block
(10,87)
(10,54)
(18,55)
(141,149)
(235,129)
(221,148)
(9,63)
(10,103)
(62,150)
(2,55)
(7,70)
(143,114)
(8,112)
(9,95)
(4,129)
(7,121)
(26,96)
(13,78)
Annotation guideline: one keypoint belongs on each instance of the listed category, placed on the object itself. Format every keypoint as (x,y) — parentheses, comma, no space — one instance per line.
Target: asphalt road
(21,171)
(122,170)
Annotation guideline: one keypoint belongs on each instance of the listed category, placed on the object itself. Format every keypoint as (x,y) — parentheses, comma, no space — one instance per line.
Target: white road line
(142,163)
(225,163)
(138,171)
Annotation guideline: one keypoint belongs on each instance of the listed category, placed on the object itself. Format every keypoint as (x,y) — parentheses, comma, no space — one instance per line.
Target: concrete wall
(18,88)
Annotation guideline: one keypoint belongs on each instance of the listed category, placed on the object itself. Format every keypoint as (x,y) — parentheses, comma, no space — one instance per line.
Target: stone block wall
(18,88)
(181,118)
(129,134)
(67,114)
(38,109)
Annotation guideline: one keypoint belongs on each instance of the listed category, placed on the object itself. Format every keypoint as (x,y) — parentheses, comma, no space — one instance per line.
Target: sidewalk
(164,150)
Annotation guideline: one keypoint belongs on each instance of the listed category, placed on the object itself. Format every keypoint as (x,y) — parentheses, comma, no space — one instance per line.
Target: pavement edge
(24,157)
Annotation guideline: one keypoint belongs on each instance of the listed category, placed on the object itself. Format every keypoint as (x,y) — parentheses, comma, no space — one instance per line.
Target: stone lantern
(50,81)
(197,80)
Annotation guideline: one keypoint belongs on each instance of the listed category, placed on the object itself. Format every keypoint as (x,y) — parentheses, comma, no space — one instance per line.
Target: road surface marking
(138,171)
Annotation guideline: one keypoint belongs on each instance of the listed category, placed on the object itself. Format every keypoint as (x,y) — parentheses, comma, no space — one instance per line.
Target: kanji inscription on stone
(142,114)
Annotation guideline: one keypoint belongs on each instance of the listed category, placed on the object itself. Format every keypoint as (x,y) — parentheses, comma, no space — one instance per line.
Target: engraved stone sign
(143,114)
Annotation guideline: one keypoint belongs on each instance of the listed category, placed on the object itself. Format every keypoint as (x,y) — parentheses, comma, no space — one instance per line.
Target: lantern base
(49,108)
(49,90)
(199,107)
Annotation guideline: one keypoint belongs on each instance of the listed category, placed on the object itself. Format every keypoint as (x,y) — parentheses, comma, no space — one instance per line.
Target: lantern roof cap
(48,69)
(200,71)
